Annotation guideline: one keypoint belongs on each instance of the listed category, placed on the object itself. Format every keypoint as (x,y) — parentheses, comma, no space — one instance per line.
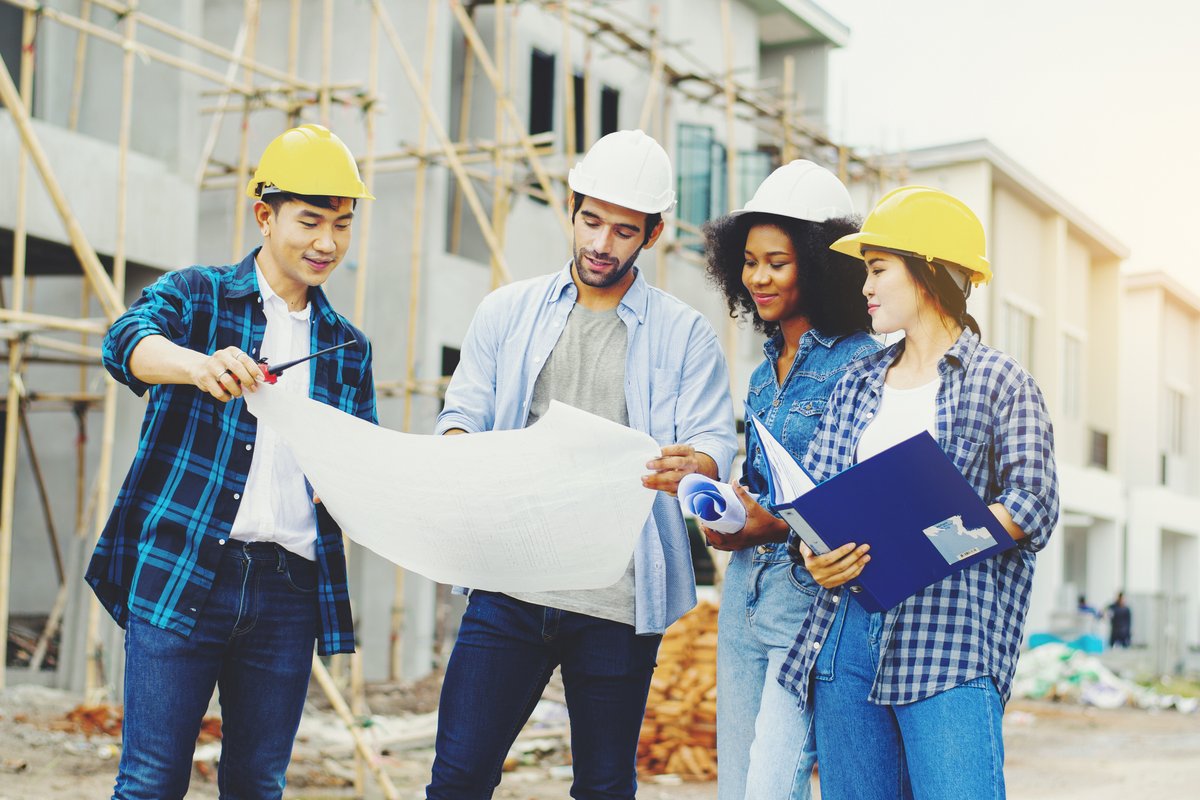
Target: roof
(1156,279)
(784,22)
(1008,173)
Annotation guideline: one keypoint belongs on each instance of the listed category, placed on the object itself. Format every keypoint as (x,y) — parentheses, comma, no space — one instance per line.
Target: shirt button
(237,496)
(762,548)
(816,645)
(221,541)
(776,403)
(836,598)
(870,414)
(249,447)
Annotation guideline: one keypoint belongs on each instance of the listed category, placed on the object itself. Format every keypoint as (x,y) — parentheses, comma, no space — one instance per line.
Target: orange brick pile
(679,733)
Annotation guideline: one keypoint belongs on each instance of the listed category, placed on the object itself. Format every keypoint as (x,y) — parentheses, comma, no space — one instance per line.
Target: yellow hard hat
(308,160)
(924,222)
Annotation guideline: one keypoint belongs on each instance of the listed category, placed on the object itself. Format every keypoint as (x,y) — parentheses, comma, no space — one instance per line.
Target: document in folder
(909,502)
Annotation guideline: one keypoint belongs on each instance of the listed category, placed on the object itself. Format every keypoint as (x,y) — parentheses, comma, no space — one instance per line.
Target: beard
(601,280)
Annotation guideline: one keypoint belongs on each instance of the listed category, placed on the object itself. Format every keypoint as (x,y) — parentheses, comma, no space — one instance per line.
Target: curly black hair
(830,283)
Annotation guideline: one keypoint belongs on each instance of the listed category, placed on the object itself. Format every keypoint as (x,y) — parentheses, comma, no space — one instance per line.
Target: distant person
(596,336)
(1120,620)
(1083,607)
(908,703)
(215,559)
(772,262)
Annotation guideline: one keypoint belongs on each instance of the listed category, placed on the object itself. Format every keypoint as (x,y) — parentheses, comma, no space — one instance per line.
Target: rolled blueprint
(716,504)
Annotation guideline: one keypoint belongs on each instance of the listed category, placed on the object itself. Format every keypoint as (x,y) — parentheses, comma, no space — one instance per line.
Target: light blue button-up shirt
(676,390)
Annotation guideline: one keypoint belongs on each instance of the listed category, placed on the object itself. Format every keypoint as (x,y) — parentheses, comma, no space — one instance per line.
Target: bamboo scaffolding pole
(731,175)
(293,53)
(587,78)
(49,629)
(656,69)
(8,481)
(568,86)
(369,166)
(152,53)
(326,60)
(360,745)
(110,301)
(416,257)
(464,122)
(535,161)
(250,12)
(94,678)
(93,353)
(789,81)
(214,126)
(452,159)
(204,45)
(81,43)
(123,138)
(39,480)
(499,162)
(50,322)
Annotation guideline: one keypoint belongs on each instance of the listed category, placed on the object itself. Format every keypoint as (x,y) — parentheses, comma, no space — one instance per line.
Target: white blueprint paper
(558,505)
(716,504)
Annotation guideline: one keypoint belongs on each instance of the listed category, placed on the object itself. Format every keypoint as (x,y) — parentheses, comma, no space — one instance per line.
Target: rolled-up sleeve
(365,404)
(704,411)
(471,395)
(1024,464)
(164,309)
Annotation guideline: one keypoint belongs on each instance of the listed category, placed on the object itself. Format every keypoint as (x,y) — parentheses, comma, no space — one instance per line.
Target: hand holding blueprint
(558,505)
(716,504)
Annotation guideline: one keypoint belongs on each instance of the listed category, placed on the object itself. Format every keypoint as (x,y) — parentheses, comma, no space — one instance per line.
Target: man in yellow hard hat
(594,335)
(216,560)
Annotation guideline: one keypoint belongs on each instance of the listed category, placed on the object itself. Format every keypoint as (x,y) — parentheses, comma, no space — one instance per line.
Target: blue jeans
(254,641)
(945,747)
(504,656)
(765,742)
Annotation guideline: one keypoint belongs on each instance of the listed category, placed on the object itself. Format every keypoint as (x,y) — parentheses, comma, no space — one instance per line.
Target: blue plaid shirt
(158,553)
(993,423)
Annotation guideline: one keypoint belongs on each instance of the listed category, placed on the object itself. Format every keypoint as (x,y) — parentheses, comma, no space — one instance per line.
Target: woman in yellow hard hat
(772,262)
(908,703)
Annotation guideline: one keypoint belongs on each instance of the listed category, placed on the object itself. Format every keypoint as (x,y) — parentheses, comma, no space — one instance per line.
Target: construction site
(127,136)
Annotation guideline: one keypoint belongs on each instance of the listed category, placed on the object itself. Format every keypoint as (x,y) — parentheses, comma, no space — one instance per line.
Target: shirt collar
(957,357)
(269,294)
(774,343)
(636,297)
(242,281)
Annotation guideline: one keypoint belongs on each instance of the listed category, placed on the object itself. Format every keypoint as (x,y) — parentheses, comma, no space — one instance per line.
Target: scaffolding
(247,85)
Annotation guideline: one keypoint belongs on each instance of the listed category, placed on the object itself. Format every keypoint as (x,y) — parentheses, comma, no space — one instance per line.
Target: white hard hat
(801,190)
(628,169)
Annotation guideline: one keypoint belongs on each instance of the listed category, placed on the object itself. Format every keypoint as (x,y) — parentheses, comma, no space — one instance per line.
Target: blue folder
(916,510)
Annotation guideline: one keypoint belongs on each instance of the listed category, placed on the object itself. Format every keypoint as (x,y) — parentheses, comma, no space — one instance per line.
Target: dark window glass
(580,106)
(541,92)
(610,101)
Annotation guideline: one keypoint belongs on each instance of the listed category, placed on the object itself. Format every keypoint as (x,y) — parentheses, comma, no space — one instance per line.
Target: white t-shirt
(276,506)
(902,414)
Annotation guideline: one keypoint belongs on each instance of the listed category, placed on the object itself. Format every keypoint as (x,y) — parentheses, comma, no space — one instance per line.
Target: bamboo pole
(8,481)
(293,53)
(731,183)
(499,194)
(326,59)
(568,86)
(452,158)
(464,124)
(656,69)
(81,43)
(416,256)
(360,745)
(48,631)
(94,678)
(105,291)
(39,480)
(51,322)
(789,81)
(250,20)
(123,138)
(535,162)
(214,127)
(364,233)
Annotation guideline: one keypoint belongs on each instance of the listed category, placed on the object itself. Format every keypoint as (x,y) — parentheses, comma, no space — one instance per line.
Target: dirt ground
(1056,751)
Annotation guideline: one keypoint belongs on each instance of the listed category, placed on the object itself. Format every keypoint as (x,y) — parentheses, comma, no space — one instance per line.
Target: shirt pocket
(800,425)
(967,456)
(664,396)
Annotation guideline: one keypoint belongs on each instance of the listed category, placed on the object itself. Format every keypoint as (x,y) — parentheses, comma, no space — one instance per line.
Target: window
(541,92)
(1098,455)
(610,101)
(1072,376)
(753,166)
(1018,334)
(580,116)
(11,21)
(695,173)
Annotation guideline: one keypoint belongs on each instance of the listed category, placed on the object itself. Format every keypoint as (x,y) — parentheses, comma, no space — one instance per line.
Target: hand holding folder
(910,503)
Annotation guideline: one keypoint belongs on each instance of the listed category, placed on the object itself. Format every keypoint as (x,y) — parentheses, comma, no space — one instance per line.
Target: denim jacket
(791,411)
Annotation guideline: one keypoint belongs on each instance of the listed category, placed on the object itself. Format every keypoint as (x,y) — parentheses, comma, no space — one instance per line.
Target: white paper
(788,478)
(558,505)
(716,504)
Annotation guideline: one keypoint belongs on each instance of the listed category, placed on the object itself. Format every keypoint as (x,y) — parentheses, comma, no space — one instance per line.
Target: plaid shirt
(158,553)
(993,423)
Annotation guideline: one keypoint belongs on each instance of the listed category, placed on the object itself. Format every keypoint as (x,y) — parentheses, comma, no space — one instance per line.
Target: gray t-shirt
(587,370)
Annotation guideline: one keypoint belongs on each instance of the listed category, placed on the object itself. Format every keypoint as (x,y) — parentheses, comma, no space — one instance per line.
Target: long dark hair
(934,279)
(829,283)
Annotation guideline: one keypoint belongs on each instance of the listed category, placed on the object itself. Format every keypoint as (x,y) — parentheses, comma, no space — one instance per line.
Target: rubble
(1056,671)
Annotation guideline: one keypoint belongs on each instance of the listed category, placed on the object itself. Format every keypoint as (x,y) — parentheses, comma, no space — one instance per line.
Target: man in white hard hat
(215,559)
(596,336)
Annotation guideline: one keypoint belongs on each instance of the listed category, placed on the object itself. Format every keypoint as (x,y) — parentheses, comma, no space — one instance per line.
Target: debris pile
(679,733)
(1056,671)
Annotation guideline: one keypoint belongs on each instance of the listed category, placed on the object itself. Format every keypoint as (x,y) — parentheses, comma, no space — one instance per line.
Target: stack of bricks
(679,733)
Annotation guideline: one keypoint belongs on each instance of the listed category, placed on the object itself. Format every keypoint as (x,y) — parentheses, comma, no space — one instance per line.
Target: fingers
(675,456)
(228,373)
(837,566)
(721,541)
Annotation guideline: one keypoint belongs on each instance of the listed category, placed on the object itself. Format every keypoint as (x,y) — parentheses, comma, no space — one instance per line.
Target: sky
(1099,99)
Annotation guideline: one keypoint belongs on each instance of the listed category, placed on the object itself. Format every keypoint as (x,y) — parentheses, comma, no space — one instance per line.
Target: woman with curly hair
(772,261)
